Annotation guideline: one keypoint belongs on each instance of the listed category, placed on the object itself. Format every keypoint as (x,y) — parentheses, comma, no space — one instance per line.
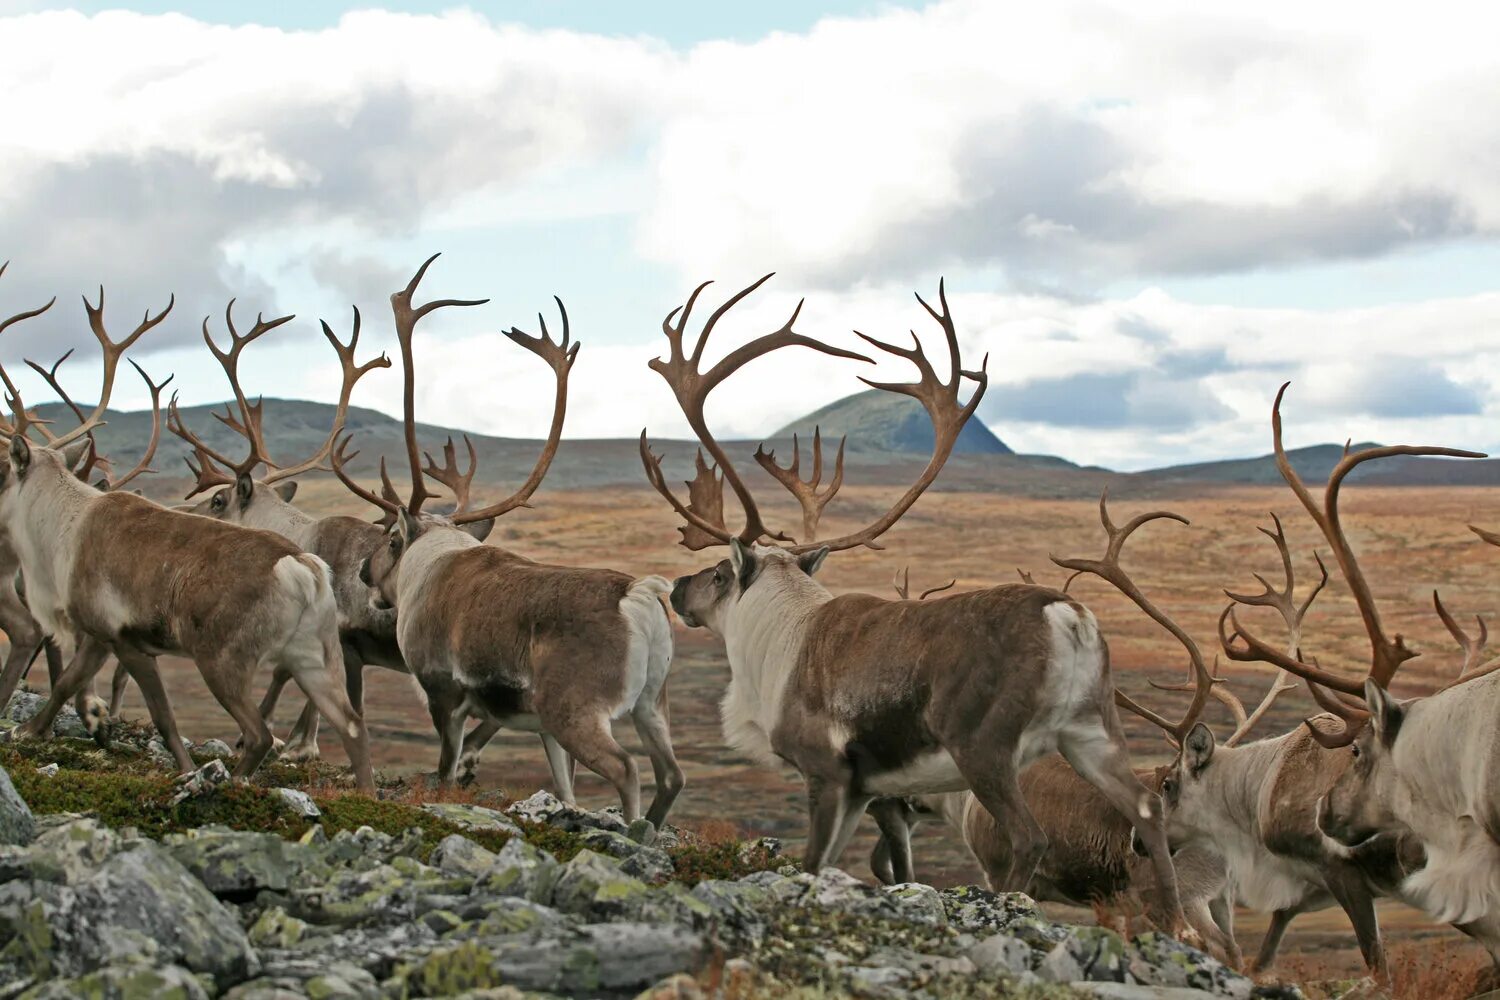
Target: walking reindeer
(559,650)
(367,635)
(871,698)
(114,572)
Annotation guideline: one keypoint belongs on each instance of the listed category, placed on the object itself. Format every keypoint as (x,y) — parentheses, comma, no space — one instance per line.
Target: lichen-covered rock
(917,902)
(275,928)
(974,909)
(124,982)
(17,825)
(1164,961)
(519,870)
(737,907)
(472,817)
(544,807)
(233,864)
(648,864)
(388,893)
(458,856)
(1001,953)
(85,899)
(25,704)
(201,782)
(217,749)
(596,958)
(593,886)
(300,803)
(1086,953)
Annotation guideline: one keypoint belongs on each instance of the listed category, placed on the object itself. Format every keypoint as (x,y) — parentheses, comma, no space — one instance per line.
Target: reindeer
(1089,860)
(870,698)
(1257,803)
(121,574)
(1416,771)
(367,635)
(522,644)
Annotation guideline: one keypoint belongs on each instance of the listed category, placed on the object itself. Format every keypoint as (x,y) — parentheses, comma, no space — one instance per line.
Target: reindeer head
(704,597)
(405,520)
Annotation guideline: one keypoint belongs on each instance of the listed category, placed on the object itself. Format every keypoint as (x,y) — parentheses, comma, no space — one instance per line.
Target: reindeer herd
(993,710)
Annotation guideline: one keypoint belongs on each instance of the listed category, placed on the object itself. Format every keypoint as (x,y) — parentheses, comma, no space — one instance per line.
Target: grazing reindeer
(368,635)
(1419,769)
(1089,860)
(124,575)
(869,698)
(521,644)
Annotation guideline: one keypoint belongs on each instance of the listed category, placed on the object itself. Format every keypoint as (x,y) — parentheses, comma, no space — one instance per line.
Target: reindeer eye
(1169,786)
(218,501)
(1354,749)
(718,578)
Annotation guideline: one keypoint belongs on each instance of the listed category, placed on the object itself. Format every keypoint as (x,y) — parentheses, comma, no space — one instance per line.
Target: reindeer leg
(87,661)
(117,690)
(992,776)
(890,861)
(318,670)
(1349,888)
(302,741)
(479,737)
(1221,911)
(1100,758)
(826,799)
(594,746)
(1486,931)
(1265,959)
(561,766)
(142,669)
(652,727)
(25,638)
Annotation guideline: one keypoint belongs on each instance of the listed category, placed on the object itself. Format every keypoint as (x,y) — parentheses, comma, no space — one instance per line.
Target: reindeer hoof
(299,753)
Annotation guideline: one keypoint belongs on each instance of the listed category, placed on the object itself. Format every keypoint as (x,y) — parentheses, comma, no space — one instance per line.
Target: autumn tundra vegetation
(991,709)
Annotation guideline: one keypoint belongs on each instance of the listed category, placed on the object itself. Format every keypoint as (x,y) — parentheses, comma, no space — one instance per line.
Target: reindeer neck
(765,631)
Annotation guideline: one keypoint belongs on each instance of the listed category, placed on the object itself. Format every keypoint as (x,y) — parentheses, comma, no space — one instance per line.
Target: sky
(1148,214)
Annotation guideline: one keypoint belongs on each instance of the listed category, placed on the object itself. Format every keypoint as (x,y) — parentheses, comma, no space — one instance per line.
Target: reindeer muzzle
(679,601)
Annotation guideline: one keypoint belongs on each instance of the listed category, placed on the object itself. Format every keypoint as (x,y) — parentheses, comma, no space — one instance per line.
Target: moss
(695,862)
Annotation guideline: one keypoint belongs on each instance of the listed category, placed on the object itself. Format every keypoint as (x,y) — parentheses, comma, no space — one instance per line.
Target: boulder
(233,864)
(472,817)
(460,856)
(124,982)
(544,807)
(17,825)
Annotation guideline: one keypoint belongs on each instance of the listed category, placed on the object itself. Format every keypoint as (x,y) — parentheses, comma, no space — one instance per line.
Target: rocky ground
(121,880)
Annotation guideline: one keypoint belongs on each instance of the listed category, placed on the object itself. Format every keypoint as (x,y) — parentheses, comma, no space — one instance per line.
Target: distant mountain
(1316,462)
(882,421)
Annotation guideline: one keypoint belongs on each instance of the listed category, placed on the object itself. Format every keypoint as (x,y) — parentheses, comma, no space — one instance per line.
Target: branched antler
(902,584)
(112,352)
(806,491)
(458,483)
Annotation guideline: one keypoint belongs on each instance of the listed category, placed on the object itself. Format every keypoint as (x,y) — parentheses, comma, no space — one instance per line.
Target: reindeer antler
(1386,653)
(1292,613)
(902,583)
(691,385)
(144,465)
(390,503)
(1473,646)
(1109,570)
(458,483)
(7,428)
(407,316)
(112,352)
(806,491)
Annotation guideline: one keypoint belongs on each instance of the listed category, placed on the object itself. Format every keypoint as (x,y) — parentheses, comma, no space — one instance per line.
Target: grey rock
(544,807)
(974,909)
(918,903)
(233,863)
(17,825)
(217,749)
(25,704)
(592,886)
(738,907)
(124,982)
(519,870)
(472,817)
(383,895)
(456,855)
(1060,965)
(300,802)
(1002,953)
(1164,961)
(48,770)
(201,782)
(645,863)
(1135,991)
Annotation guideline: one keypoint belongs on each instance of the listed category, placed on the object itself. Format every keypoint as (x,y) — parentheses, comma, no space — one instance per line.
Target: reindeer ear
(244,489)
(1386,713)
(743,561)
(407,528)
(73,453)
(286,490)
(480,530)
(812,561)
(1198,748)
(20,453)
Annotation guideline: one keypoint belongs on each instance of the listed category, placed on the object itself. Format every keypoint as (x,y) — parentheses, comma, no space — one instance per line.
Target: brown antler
(407,316)
(691,385)
(352,373)
(207,465)
(390,504)
(248,425)
(144,465)
(1108,569)
(458,483)
(902,583)
(1386,654)
(1473,646)
(806,491)
(1292,613)
(939,399)
(112,352)
(23,419)
(559,356)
